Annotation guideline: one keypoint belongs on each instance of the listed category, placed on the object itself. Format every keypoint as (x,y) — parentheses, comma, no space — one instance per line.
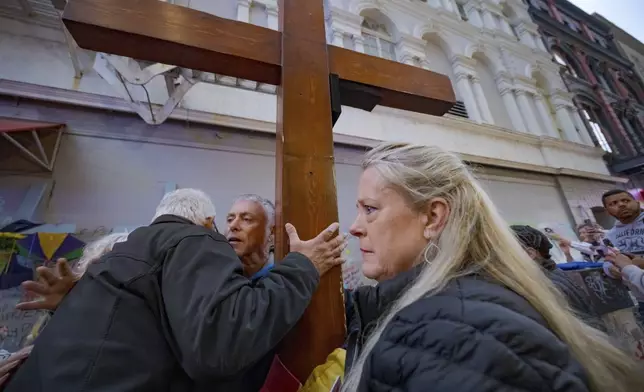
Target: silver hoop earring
(431,251)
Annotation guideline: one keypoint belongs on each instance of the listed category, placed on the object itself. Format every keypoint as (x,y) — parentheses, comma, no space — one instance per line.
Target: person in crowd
(481,316)
(176,312)
(250,229)
(628,233)
(538,246)
(590,245)
(625,267)
(51,288)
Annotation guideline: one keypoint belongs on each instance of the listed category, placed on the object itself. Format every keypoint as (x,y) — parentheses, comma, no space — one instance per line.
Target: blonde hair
(476,239)
(94,250)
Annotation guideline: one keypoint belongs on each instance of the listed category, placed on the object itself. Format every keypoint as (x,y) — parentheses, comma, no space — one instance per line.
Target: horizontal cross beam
(156,31)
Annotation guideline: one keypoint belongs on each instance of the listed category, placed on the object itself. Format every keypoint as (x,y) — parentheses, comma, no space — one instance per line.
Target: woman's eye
(369,209)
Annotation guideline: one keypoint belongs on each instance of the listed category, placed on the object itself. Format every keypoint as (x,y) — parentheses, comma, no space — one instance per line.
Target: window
(571,23)
(602,78)
(540,4)
(597,131)
(377,40)
(632,131)
(601,41)
(632,94)
(562,60)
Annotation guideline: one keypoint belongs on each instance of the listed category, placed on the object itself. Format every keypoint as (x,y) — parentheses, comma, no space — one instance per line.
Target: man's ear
(436,213)
(209,223)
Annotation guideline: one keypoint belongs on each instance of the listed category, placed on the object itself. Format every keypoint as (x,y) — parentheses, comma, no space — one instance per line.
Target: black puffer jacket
(473,336)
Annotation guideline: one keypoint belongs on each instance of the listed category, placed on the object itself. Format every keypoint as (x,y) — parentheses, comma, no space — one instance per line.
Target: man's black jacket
(168,310)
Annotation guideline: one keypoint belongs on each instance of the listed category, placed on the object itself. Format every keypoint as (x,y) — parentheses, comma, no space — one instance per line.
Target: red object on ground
(280,379)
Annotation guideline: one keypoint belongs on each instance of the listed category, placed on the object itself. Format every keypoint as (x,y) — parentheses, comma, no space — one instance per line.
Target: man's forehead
(248,207)
(620,196)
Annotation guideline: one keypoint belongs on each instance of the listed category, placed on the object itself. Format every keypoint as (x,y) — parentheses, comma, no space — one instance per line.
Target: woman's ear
(437,212)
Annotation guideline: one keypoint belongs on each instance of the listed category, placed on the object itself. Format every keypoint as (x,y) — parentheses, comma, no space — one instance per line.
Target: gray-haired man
(250,229)
(170,310)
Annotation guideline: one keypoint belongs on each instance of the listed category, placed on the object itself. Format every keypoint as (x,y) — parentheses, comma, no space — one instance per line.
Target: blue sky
(627,14)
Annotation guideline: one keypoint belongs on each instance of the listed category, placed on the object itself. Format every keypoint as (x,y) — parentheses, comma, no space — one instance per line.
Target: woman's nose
(356,228)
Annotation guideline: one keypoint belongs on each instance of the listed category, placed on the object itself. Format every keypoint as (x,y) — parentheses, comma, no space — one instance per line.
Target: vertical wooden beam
(306,194)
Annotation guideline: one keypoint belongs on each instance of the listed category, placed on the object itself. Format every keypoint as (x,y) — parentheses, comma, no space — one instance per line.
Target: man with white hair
(170,310)
(250,229)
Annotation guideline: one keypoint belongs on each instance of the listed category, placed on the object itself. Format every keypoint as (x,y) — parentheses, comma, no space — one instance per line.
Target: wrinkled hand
(324,251)
(50,288)
(619,260)
(12,363)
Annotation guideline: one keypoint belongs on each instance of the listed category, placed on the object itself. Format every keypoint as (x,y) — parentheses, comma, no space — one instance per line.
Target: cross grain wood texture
(306,193)
(156,31)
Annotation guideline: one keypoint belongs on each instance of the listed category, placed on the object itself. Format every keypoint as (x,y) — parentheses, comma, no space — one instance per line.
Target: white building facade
(126,143)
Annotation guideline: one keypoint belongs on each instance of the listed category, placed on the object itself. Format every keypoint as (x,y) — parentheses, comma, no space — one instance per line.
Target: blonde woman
(481,316)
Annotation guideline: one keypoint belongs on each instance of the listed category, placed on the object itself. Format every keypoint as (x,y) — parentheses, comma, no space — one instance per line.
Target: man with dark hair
(628,233)
(538,246)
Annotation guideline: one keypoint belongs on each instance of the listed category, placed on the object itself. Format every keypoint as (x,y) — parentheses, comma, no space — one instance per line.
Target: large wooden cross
(313,78)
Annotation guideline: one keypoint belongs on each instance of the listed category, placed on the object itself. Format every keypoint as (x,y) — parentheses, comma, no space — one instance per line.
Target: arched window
(378,40)
(438,59)
(564,60)
(498,110)
(603,76)
(592,118)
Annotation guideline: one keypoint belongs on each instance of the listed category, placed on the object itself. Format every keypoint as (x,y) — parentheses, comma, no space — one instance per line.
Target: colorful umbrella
(43,248)
(21,254)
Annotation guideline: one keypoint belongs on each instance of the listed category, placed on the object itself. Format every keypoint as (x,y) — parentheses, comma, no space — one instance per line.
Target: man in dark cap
(538,246)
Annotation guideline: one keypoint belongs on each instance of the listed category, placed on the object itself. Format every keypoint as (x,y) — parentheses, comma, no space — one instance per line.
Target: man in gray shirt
(628,233)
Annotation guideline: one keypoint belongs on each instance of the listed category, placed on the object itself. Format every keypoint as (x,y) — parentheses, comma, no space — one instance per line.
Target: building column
(510,102)
(337,38)
(488,20)
(546,118)
(273,18)
(505,25)
(484,109)
(563,117)
(474,15)
(464,87)
(358,43)
(525,36)
(584,132)
(243,11)
(528,115)
(554,11)
(540,44)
